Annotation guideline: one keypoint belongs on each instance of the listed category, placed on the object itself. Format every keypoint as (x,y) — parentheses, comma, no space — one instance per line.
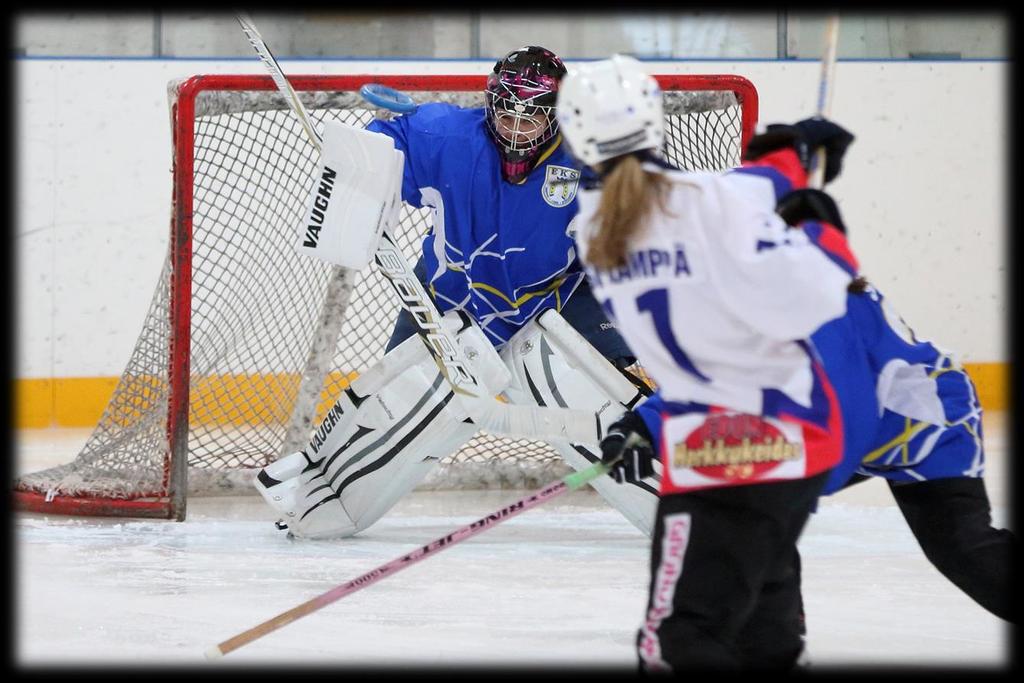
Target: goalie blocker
(358,184)
(398,419)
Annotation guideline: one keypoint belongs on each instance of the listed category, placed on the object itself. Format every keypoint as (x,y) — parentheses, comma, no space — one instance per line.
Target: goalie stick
(485,411)
(567,483)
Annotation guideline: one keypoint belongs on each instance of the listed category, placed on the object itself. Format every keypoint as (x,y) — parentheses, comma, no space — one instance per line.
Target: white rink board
(923,190)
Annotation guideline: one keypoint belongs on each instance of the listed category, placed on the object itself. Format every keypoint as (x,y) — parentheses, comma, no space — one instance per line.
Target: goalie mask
(520,94)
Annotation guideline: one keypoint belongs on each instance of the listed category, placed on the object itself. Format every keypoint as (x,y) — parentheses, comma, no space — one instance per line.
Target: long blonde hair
(628,195)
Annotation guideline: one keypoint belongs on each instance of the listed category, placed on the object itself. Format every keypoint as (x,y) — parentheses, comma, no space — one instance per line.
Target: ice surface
(563,585)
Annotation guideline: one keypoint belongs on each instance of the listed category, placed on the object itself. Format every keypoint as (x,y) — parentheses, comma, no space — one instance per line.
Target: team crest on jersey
(560,185)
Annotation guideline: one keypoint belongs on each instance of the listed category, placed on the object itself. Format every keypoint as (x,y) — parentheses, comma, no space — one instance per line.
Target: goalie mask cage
(246,342)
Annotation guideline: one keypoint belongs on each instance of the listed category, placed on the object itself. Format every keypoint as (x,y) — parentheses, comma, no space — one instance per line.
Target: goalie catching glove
(628,448)
(805,137)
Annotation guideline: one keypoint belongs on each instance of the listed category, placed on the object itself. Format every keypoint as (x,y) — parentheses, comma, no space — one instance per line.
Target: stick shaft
(570,482)
(277,73)
(825,90)
(392,262)
(828,62)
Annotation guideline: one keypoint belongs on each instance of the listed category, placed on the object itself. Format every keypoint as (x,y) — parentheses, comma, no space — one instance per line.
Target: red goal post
(213,387)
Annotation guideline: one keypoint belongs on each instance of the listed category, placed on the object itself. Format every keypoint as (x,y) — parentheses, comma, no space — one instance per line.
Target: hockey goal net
(246,343)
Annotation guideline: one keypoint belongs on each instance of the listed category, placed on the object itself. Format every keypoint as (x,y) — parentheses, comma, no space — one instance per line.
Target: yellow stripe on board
(246,399)
(224,400)
(992,381)
(33,403)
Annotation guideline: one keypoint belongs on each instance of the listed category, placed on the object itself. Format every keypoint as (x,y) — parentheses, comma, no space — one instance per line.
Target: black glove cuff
(776,137)
(631,422)
(810,205)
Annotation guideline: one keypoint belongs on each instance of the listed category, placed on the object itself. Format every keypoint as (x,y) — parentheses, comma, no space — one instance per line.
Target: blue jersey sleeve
(842,345)
(879,369)
(419,135)
(651,412)
(891,337)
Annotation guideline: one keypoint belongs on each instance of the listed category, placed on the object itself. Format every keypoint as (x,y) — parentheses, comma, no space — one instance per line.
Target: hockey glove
(805,137)
(810,205)
(628,445)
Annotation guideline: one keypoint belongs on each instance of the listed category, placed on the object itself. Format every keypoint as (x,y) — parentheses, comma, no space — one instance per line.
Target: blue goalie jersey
(502,252)
(910,411)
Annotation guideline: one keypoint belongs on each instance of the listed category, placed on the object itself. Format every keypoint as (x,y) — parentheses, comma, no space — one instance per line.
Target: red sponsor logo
(735,447)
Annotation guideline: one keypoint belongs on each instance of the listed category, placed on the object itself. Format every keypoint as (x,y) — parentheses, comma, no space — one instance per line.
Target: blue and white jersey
(718,298)
(501,252)
(718,294)
(910,411)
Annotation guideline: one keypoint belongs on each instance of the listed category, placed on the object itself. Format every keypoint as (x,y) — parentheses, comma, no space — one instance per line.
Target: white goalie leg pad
(484,361)
(554,365)
(278,482)
(380,439)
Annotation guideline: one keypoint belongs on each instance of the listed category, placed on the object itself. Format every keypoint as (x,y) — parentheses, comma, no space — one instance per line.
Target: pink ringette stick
(567,483)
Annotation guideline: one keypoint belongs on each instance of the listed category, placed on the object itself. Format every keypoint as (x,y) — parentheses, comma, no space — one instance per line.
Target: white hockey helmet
(609,108)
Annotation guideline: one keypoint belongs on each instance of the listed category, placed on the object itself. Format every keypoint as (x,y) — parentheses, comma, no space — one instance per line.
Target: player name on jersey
(646,263)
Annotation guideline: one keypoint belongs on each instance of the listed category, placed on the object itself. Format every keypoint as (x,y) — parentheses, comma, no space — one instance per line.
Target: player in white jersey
(716,297)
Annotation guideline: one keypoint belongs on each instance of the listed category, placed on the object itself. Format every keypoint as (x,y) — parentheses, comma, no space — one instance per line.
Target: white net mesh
(256,308)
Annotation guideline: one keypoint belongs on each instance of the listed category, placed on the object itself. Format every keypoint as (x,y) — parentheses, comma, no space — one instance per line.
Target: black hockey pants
(952,521)
(725,592)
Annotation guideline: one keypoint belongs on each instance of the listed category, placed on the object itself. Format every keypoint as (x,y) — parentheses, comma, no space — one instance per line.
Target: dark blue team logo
(560,183)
